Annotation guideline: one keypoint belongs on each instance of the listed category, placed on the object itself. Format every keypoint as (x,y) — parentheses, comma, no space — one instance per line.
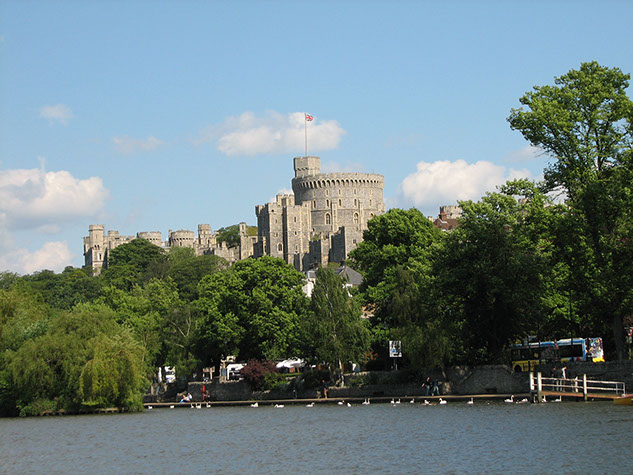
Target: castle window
(355,191)
(371,215)
(314,204)
(355,202)
(280,247)
(295,219)
(328,218)
(340,202)
(327,203)
(327,192)
(355,218)
(339,192)
(369,202)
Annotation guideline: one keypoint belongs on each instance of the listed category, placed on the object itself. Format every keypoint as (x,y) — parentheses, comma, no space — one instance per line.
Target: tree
(398,239)
(84,359)
(134,263)
(253,309)
(187,270)
(335,329)
(492,275)
(585,123)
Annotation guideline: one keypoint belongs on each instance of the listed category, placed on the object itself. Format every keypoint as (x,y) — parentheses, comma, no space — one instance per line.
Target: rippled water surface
(567,437)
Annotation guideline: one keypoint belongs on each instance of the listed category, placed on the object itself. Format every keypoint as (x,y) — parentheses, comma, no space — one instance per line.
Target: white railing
(584,386)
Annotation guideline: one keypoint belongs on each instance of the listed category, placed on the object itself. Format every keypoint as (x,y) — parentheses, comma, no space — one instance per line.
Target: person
(324,388)
(186,398)
(426,385)
(436,388)
(204,392)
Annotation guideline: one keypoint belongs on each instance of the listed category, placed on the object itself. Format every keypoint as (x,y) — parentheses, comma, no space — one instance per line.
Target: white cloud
(526,154)
(36,199)
(53,256)
(58,113)
(250,135)
(444,182)
(127,145)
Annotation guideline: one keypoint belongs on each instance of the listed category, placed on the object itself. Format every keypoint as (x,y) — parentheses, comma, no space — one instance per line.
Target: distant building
(321,222)
(448,219)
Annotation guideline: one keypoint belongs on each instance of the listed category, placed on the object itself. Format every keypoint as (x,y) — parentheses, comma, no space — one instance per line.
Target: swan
(366,402)
(310,405)
(198,406)
(171,407)
(393,401)
(208,405)
(511,400)
(426,403)
(471,402)
(412,401)
(150,407)
(349,405)
(255,404)
(442,401)
(279,405)
(544,399)
(398,401)
(558,399)
(522,401)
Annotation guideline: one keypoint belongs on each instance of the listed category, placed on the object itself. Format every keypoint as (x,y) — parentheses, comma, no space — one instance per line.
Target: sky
(156,115)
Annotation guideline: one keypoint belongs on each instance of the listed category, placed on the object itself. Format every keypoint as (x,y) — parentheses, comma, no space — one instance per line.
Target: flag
(308,118)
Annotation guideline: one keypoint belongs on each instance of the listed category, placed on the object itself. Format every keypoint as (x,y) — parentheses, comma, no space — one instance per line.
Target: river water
(572,437)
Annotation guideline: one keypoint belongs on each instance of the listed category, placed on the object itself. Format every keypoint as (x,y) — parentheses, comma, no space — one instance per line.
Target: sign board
(395,348)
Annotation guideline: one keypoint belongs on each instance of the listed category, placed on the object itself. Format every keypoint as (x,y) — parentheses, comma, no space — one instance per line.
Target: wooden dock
(542,388)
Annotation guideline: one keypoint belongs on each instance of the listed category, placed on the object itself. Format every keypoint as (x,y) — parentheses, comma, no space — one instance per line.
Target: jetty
(542,388)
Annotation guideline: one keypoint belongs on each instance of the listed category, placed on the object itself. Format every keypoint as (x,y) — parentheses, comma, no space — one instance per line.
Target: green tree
(492,275)
(336,331)
(134,263)
(396,240)
(253,310)
(187,270)
(84,359)
(66,289)
(585,123)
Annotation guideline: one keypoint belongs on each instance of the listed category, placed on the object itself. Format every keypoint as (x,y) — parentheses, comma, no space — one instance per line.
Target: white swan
(523,401)
(150,407)
(279,405)
(558,399)
(171,407)
(340,403)
(255,404)
(412,401)
(426,403)
(398,401)
(366,402)
(310,405)
(393,401)
(471,402)
(198,406)
(442,401)
(511,400)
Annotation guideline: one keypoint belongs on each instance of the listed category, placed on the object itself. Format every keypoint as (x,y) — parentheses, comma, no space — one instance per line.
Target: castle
(321,222)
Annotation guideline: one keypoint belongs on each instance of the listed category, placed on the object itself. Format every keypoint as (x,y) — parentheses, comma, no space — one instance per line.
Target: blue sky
(155,115)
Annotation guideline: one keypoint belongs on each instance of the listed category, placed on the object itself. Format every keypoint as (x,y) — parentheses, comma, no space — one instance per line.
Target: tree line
(550,259)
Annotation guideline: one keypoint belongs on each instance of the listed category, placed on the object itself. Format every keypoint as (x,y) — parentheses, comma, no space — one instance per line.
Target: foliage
(134,263)
(63,290)
(187,270)
(255,372)
(231,234)
(253,310)
(335,327)
(585,123)
(84,359)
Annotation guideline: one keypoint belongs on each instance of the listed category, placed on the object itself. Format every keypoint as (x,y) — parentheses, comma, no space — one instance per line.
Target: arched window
(328,218)
(355,218)
(340,202)
(280,247)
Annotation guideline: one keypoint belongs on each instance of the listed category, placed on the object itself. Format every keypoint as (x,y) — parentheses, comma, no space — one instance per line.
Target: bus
(526,356)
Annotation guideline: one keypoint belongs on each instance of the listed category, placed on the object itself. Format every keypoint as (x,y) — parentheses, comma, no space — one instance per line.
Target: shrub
(255,372)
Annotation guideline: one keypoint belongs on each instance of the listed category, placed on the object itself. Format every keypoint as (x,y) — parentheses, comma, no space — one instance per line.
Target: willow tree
(336,331)
(584,122)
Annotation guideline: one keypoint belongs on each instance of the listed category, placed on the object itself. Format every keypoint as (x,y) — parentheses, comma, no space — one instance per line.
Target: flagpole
(305,125)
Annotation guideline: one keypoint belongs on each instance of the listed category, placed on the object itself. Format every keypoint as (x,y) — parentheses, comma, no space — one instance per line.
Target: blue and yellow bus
(525,357)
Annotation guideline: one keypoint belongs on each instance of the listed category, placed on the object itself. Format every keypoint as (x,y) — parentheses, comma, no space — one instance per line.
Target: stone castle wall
(320,223)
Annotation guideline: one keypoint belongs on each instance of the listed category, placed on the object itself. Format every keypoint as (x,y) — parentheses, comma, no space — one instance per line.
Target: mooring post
(539,388)
(584,387)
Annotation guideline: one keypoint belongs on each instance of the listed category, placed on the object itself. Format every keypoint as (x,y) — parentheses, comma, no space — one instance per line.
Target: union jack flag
(309,118)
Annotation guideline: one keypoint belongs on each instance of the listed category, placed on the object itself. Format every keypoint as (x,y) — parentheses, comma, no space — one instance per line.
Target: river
(572,437)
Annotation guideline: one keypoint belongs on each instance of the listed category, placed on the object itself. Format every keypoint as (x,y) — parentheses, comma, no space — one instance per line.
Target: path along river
(572,437)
